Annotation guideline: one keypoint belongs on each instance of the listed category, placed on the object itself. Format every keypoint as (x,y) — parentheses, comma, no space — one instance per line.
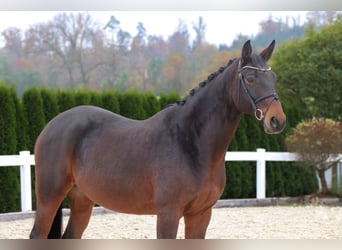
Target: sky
(221,26)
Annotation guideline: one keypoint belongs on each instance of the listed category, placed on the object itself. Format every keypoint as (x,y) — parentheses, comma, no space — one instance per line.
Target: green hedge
(22,120)
(9,176)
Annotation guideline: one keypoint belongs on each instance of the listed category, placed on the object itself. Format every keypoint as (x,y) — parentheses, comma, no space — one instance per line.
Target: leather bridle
(258,113)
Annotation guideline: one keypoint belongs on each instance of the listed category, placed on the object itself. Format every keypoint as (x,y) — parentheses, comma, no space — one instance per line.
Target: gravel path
(279,222)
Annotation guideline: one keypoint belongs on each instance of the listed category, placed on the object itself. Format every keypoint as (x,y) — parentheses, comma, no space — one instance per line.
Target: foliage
(166,99)
(65,100)
(318,143)
(9,195)
(50,104)
(310,72)
(73,50)
(33,108)
(21,123)
(131,105)
(150,104)
(110,101)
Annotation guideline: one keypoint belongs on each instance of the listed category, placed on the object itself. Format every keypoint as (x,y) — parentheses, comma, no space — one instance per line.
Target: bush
(34,113)
(50,104)
(65,100)
(131,105)
(316,141)
(150,104)
(9,181)
(110,101)
(166,99)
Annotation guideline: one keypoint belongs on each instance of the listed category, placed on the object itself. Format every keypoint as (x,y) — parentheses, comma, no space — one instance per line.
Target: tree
(65,100)
(50,104)
(319,145)
(9,181)
(168,99)
(150,104)
(321,18)
(13,41)
(131,105)
(34,112)
(67,42)
(175,73)
(179,40)
(110,101)
(199,29)
(310,72)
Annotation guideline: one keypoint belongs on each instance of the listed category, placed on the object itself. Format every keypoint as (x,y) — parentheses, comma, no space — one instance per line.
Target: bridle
(258,113)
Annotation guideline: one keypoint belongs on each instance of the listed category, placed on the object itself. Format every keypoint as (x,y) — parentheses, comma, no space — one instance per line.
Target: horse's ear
(246,51)
(267,53)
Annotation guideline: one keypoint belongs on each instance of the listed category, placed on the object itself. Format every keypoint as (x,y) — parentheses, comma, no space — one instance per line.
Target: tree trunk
(324,185)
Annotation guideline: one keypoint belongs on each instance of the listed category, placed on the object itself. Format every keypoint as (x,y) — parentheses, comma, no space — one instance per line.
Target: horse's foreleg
(196,225)
(80,212)
(167,224)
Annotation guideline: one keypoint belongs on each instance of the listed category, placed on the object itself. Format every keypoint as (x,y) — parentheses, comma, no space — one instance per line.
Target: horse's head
(256,93)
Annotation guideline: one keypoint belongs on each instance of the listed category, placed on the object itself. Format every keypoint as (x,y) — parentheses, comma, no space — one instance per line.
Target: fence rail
(25,160)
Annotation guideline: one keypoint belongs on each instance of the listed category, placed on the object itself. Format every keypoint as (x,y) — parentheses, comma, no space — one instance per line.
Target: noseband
(258,113)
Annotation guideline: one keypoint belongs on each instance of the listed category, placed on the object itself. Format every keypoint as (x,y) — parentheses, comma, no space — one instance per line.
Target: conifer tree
(50,104)
(33,108)
(110,101)
(9,176)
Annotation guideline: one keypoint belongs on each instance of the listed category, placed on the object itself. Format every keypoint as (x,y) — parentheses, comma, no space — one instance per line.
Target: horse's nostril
(274,122)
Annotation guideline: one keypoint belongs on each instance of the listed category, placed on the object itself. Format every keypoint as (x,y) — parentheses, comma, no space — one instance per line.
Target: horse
(170,165)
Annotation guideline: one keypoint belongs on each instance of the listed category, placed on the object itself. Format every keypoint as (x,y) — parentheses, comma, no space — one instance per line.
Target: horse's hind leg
(47,207)
(80,211)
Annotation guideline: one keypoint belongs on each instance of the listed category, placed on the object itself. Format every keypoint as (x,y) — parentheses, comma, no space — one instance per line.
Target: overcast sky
(221,26)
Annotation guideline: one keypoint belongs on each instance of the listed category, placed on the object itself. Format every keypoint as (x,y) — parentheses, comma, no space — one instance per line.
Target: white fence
(25,161)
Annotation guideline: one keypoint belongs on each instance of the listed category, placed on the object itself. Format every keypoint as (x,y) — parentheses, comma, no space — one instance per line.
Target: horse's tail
(56,228)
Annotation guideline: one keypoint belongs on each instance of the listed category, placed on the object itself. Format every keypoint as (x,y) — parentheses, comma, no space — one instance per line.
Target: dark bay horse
(171,164)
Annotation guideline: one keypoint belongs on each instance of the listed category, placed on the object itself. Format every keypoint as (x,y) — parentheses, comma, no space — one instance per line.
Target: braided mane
(202,84)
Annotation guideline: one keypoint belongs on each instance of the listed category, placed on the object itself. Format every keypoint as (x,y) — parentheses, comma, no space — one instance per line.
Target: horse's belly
(123,197)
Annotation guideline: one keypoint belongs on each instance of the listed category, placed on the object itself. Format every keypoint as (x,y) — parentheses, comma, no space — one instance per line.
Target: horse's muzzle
(274,125)
(275,120)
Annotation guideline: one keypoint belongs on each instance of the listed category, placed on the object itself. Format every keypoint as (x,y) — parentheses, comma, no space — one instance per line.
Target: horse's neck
(213,116)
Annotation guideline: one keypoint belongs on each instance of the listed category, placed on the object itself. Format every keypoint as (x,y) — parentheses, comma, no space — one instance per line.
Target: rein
(258,113)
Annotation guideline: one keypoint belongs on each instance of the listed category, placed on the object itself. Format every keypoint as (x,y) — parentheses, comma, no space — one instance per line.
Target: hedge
(22,120)
(9,176)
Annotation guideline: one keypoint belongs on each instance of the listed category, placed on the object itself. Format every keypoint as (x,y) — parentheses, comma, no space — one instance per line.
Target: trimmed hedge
(9,176)
(21,121)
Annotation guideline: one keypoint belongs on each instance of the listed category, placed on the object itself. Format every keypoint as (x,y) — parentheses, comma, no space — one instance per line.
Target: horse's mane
(204,83)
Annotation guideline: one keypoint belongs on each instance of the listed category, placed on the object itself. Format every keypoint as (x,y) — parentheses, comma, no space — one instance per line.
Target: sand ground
(274,222)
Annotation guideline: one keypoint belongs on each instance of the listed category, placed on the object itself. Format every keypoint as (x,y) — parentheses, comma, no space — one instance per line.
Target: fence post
(25,181)
(261,174)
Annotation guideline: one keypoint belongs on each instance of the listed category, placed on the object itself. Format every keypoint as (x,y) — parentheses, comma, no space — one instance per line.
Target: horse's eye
(250,79)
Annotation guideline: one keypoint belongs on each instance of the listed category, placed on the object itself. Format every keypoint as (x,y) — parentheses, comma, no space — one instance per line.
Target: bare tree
(69,41)
(199,28)
(13,41)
